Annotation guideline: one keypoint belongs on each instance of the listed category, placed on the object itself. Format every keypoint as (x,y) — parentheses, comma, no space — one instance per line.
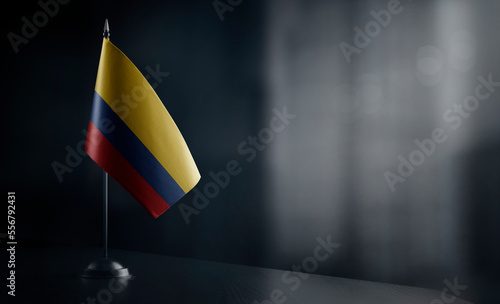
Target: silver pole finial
(106,33)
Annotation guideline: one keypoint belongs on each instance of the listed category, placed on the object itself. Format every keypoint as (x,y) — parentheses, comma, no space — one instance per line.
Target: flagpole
(105,179)
(106,35)
(105,268)
(105,212)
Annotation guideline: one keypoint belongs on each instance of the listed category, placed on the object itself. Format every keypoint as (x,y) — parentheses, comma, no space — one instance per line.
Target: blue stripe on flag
(134,151)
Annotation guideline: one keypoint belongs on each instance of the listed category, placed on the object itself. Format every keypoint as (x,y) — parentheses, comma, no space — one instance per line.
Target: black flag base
(105,268)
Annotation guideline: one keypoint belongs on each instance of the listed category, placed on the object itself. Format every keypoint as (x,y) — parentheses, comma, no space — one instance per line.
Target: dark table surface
(52,276)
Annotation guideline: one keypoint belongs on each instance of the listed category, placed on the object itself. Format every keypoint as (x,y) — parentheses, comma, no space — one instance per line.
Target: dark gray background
(323,175)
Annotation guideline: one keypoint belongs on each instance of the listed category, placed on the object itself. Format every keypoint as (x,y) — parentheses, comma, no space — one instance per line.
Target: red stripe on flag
(109,159)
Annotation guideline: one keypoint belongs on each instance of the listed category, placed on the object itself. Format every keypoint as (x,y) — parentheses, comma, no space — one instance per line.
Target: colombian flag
(132,136)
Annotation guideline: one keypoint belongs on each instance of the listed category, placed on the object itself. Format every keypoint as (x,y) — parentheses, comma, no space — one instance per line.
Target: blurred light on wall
(326,170)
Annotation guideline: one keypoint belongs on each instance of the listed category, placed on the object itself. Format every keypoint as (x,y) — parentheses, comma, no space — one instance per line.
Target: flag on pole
(132,136)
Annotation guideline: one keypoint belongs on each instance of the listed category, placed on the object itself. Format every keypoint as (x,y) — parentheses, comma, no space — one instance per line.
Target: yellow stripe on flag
(144,113)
